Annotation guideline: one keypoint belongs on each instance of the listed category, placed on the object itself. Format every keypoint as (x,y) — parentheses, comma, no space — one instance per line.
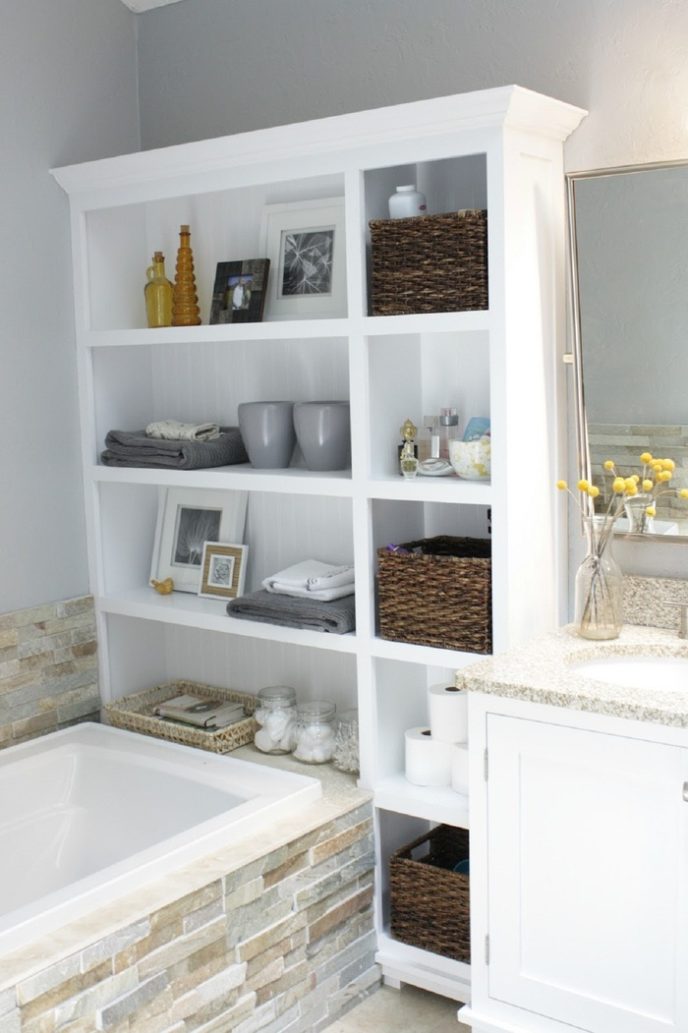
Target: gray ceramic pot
(267,429)
(323,432)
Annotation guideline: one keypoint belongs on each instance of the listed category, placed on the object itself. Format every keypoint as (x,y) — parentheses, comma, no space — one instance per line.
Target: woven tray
(430,902)
(430,263)
(441,596)
(135,713)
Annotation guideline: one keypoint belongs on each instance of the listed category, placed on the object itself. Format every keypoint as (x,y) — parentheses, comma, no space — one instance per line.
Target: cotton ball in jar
(276,714)
(315,732)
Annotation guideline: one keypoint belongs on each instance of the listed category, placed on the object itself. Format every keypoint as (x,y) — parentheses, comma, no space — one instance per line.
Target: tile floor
(401,1011)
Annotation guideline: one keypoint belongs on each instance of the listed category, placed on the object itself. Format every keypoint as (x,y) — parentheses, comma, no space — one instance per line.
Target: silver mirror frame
(582,443)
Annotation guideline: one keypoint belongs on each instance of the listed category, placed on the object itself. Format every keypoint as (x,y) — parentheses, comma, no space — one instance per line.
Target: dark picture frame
(240,290)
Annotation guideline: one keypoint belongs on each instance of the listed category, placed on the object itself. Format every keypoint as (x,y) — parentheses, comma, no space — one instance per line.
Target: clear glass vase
(636,511)
(599,584)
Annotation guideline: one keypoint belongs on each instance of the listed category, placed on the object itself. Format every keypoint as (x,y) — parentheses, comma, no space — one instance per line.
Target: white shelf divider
(402,963)
(443,805)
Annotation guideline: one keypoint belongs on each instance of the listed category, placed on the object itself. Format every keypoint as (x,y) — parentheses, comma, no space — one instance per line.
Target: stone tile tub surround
(48,669)
(540,672)
(274,936)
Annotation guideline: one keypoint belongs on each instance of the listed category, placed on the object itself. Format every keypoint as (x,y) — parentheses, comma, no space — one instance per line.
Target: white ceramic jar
(407,202)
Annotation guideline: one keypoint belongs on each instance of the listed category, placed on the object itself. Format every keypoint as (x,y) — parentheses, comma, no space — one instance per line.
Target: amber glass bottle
(185,310)
(158,293)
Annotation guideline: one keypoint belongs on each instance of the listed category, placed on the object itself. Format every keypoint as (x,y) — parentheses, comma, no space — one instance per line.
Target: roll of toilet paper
(448,711)
(459,767)
(428,761)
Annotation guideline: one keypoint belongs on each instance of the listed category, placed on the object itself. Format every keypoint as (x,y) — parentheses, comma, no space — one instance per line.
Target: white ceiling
(145,5)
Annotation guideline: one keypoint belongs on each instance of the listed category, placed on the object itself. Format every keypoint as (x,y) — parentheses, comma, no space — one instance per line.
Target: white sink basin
(638,672)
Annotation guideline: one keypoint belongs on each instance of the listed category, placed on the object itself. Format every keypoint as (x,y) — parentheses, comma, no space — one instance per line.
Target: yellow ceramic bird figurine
(163,587)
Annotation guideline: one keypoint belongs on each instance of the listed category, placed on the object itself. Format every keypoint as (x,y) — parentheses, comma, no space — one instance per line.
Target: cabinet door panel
(586,864)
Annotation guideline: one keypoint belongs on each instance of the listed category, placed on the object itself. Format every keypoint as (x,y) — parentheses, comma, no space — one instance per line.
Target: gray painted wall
(210,67)
(68,93)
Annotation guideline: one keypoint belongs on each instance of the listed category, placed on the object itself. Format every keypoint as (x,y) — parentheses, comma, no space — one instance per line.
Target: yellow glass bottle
(158,293)
(185,310)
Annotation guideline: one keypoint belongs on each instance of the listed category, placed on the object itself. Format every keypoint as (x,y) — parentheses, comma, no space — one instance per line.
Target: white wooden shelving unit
(498,149)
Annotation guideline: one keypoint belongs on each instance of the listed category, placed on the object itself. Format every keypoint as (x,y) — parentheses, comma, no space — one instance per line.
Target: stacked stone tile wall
(283,945)
(48,669)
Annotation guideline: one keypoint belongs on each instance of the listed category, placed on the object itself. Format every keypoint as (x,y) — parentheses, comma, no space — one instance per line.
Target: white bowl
(471,459)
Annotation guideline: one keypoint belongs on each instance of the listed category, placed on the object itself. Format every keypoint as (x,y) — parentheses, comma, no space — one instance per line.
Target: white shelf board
(242,477)
(426,323)
(440,804)
(269,331)
(289,329)
(187,610)
(406,964)
(431,489)
(385,649)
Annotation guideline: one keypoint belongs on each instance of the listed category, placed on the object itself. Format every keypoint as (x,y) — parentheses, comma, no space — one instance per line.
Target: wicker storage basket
(429,902)
(430,263)
(135,713)
(439,596)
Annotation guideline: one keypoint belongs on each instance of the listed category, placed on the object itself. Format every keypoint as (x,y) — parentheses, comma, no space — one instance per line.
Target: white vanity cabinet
(579,868)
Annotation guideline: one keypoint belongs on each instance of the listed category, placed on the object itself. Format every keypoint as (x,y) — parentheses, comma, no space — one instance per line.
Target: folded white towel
(173,430)
(312,579)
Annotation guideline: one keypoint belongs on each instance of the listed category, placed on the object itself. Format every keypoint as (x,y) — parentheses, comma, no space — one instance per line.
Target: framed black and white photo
(305,244)
(239,291)
(223,570)
(187,519)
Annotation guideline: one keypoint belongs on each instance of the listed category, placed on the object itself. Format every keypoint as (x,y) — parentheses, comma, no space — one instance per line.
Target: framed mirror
(628,239)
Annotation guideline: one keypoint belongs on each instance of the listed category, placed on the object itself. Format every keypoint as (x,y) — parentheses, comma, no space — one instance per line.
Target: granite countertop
(340,794)
(540,672)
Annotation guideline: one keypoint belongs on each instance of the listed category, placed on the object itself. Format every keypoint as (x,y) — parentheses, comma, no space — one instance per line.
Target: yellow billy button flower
(562,485)
(593,491)
(631,489)
(608,464)
(664,475)
(651,511)
(683,493)
(647,484)
(619,485)
(646,457)
(583,485)
(669,464)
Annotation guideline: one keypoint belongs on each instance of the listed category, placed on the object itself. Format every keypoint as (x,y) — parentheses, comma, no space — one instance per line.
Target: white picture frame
(223,570)
(305,242)
(187,519)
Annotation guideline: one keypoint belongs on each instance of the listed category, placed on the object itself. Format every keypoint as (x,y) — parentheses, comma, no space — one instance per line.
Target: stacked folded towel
(336,617)
(173,430)
(314,580)
(125,448)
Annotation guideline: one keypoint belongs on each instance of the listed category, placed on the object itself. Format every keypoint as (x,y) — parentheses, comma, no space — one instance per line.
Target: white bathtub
(92,812)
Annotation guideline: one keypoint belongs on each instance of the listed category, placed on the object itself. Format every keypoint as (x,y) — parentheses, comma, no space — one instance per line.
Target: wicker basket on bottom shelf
(429,901)
(136,714)
(438,595)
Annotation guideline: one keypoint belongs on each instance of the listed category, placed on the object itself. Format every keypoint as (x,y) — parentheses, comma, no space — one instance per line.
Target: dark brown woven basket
(430,902)
(430,263)
(439,596)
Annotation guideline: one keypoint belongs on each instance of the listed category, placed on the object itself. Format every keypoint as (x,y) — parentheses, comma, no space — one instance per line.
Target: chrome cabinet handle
(685,791)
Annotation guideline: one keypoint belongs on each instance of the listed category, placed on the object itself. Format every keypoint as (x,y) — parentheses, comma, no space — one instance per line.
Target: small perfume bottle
(408,460)
(449,429)
(429,439)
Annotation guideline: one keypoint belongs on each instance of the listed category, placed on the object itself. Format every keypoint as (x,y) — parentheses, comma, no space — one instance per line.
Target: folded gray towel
(125,448)
(337,617)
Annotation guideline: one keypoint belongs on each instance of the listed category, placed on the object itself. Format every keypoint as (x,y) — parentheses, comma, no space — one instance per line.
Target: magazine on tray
(201,713)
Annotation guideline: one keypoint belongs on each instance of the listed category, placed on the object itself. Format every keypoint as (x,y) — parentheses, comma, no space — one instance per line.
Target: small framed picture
(223,570)
(239,291)
(187,519)
(305,244)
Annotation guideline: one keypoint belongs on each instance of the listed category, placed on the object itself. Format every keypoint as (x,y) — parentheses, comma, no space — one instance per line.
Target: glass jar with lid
(315,732)
(276,714)
(345,755)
